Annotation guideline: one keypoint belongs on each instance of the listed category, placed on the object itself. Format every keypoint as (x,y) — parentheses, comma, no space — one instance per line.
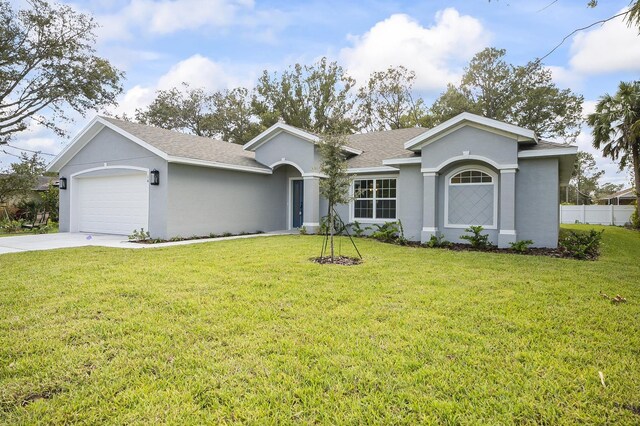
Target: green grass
(53,229)
(250,331)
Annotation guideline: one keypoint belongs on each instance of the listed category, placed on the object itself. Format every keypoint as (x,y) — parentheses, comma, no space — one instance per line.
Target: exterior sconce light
(62,183)
(154,177)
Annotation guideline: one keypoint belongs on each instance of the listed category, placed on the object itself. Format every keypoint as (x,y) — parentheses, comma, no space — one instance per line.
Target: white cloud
(612,47)
(198,71)
(134,98)
(169,16)
(565,77)
(435,53)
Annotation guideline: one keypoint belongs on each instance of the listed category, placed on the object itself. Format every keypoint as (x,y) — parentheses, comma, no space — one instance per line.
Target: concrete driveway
(61,240)
(78,239)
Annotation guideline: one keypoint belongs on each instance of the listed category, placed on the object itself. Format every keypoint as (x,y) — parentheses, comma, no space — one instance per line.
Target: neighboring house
(624,197)
(41,185)
(469,170)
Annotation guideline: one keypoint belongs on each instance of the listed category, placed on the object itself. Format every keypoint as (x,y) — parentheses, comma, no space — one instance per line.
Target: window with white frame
(374,199)
(471,198)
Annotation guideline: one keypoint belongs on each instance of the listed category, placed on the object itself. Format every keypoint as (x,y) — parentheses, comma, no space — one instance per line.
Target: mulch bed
(558,252)
(195,237)
(532,251)
(337,260)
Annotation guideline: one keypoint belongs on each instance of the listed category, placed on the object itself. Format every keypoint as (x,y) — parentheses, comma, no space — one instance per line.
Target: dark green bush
(582,245)
(476,239)
(521,246)
(635,220)
(389,232)
(437,241)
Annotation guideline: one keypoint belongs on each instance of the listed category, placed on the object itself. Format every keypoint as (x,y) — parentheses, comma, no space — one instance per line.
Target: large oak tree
(48,67)
(522,95)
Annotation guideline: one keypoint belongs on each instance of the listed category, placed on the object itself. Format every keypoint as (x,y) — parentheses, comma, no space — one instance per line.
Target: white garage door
(112,204)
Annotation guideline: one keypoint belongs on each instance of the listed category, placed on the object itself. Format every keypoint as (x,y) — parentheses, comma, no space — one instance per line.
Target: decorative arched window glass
(471,198)
(471,176)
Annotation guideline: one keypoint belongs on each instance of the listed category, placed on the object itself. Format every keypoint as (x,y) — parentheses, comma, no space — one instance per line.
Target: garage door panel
(112,204)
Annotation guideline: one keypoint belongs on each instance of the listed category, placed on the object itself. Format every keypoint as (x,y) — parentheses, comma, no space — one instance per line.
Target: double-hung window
(374,199)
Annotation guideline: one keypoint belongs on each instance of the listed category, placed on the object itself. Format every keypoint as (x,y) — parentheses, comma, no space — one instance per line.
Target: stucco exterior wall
(110,149)
(453,234)
(409,203)
(538,201)
(205,200)
(478,142)
(289,147)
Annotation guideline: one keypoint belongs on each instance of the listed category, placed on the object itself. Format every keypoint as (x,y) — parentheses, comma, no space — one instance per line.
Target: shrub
(635,220)
(45,229)
(303,230)
(29,209)
(477,240)
(390,232)
(10,226)
(521,246)
(437,241)
(358,230)
(582,245)
(140,235)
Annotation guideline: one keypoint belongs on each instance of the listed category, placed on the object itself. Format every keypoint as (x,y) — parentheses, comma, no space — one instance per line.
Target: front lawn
(250,331)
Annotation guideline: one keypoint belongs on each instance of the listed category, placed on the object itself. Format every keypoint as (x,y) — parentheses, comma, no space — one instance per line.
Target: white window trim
(447,183)
(352,217)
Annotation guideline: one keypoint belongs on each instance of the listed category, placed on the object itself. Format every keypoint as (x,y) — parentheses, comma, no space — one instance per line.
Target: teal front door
(297,200)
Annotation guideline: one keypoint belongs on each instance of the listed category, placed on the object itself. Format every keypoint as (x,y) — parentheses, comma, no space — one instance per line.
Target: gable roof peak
(521,134)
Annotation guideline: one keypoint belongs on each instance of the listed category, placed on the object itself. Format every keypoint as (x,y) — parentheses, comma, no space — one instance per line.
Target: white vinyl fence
(596,215)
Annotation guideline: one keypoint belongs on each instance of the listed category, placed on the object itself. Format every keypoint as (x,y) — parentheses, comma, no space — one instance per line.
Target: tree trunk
(635,157)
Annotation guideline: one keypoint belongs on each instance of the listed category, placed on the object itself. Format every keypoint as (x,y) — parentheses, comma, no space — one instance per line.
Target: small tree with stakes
(334,187)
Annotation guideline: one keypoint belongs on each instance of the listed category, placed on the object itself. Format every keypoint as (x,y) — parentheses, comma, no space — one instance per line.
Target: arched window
(470,177)
(471,196)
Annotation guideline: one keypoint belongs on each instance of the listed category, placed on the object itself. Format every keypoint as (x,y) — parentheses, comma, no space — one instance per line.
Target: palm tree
(616,129)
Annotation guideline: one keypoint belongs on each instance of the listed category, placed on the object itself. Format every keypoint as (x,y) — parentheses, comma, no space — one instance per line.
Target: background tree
(314,97)
(182,109)
(233,117)
(616,129)
(47,65)
(522,95)
(335,187)
(386,102)
(584,187)
(19,179)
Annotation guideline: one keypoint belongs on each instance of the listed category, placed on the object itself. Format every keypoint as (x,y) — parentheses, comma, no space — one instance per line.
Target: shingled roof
(543,145)
(378,146)
(182,145)
(370,149)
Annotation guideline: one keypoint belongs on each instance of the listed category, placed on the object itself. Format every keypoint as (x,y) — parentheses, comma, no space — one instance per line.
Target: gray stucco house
(469,170)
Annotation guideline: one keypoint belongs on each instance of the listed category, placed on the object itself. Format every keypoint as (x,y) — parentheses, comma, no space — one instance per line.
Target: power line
(30,150)
(11,154)
(547,6)
(602,21)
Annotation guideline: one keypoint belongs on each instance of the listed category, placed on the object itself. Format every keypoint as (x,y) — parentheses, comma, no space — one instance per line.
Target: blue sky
(220,44)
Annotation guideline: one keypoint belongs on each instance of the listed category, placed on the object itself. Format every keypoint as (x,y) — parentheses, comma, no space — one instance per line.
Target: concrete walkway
(76,239)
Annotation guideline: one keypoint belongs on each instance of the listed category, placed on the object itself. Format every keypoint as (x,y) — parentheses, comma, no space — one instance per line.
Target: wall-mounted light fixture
(62,183)
(154,177)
